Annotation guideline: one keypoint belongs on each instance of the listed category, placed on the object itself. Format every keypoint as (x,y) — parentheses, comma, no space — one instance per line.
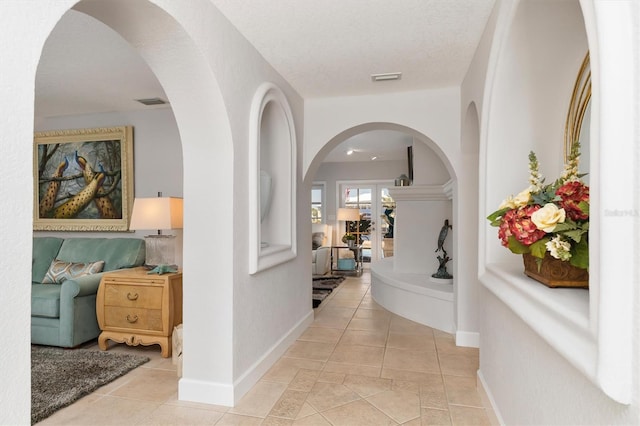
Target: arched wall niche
(531,75)
(199,109)
(272,177)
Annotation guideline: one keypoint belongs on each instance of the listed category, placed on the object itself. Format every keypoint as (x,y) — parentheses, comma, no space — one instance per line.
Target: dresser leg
(102,341)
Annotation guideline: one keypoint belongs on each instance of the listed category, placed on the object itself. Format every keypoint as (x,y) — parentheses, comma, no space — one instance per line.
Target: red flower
(517,222)
(571,194)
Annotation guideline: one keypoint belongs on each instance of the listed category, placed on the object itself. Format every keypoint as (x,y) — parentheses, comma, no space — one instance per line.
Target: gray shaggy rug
(59,376)
(323,286)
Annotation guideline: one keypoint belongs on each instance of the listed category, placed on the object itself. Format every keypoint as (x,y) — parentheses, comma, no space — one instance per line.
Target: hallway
(358,364)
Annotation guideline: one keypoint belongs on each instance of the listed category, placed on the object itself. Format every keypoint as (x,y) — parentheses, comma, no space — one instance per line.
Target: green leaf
(567,225)
(575,235)
(496,216)
(580,255)
(516,246)
(545,196)
(584,206)
(539,248)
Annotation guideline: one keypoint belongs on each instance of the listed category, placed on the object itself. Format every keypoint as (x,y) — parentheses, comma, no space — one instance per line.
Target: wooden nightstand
(137,308)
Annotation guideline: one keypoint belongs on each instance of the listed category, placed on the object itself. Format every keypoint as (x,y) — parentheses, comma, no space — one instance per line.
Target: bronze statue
(442,260)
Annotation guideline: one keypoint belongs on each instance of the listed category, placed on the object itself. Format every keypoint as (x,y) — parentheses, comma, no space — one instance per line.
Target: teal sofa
(65,314)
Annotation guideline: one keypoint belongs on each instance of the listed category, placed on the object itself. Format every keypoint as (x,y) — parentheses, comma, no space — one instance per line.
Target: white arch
(366,127)
(204,128)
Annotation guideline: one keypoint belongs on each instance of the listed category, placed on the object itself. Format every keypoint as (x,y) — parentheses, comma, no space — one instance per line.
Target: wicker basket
(555,273)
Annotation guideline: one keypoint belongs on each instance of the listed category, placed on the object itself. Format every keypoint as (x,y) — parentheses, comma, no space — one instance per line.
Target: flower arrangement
(551,218)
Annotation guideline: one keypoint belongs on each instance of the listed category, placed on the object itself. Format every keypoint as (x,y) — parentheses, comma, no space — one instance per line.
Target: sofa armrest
(323,255)
(78,322)
(81,286)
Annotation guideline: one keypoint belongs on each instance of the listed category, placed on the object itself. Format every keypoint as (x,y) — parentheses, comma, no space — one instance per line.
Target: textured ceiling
(384,144)
(322,48)
(331,47)
(86,67)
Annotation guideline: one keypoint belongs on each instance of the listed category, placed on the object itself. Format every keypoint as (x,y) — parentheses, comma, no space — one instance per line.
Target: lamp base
(160,250)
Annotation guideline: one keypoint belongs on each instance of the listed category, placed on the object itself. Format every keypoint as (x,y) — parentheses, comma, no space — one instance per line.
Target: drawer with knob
(137,308)
(131,295)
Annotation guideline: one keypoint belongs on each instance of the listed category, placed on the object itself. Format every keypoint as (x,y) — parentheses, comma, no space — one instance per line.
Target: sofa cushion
(44,252)
(317,239)
(117,253)
(60,271)
(45,300)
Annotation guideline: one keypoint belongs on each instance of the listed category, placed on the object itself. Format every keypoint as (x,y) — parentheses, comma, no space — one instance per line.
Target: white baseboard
(489,403)
(468,339)
(250,377)
(205,392)
(227,394)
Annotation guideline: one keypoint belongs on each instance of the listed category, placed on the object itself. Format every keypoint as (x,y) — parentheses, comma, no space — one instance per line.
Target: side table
(138,308)
(357,254)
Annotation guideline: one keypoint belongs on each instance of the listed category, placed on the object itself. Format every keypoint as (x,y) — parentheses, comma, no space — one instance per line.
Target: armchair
(321,249)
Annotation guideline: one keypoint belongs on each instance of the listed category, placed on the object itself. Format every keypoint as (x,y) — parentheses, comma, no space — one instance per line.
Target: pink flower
(517,222)
(571,194)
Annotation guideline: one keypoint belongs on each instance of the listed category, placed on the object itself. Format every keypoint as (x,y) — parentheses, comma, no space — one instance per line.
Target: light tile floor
(357,364)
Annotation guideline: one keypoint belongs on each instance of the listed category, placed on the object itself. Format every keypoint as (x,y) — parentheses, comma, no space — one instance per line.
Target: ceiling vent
(388,76)
(152,101)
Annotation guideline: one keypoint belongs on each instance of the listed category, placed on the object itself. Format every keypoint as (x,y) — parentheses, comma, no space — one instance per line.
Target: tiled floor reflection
(357,364)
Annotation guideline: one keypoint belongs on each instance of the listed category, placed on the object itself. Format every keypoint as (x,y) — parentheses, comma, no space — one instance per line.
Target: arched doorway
(408,256)
(199,109)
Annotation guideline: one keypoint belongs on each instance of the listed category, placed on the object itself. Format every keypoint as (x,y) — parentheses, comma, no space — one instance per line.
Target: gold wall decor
(83,179)
(579,102)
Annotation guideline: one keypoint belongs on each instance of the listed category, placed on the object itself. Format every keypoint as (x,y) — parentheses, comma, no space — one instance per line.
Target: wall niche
(531,80)
(272,180)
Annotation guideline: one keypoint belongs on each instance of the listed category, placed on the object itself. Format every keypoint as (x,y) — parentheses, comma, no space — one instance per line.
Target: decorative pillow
(317,239)
(60,271)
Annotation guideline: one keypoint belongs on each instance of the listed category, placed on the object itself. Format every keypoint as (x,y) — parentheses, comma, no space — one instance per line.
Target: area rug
(59,376)
(323,286)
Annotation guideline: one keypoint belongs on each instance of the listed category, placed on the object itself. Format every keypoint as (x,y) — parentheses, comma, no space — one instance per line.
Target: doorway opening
(375,229)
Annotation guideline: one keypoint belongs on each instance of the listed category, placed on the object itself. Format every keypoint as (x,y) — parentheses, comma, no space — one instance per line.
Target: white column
(420,213)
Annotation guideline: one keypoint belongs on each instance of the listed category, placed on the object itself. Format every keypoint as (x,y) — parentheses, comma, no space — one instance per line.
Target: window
(317,203)
(359,198)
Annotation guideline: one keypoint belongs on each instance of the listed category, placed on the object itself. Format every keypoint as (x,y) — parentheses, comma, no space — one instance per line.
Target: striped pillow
(60,271)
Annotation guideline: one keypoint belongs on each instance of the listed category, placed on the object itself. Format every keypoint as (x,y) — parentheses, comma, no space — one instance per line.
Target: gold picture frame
(83,179)
(580,98)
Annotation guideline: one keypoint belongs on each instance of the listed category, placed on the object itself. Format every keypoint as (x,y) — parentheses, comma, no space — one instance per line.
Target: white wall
(467,306)
(234,325)
(434,114)
(530,376)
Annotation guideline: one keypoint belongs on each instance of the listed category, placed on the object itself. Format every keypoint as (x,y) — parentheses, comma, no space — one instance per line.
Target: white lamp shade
(348,214)
(156,213)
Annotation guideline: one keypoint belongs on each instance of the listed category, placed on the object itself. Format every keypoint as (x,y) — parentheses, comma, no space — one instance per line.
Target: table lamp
(349,215)
(158,213)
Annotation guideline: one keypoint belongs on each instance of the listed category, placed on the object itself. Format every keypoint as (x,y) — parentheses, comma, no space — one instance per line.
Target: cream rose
(548,217)
(523,198)
(508,203)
